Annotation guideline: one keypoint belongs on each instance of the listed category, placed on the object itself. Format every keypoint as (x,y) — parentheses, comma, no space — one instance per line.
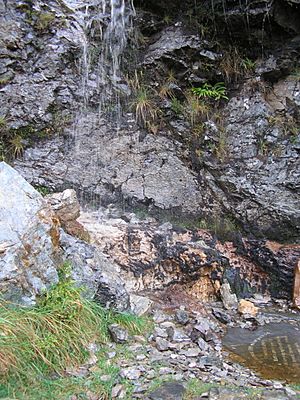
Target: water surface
(272,350)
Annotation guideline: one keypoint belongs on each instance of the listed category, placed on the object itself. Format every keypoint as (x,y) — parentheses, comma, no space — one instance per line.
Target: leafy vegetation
(43,190)
(208,91)
(195,387)
(5,79)
(235,66)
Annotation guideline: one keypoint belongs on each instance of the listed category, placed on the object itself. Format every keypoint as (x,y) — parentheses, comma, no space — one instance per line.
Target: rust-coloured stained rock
(246,307)
(153,256)
(29,239)
(75,228)
(67,209)
(296,292)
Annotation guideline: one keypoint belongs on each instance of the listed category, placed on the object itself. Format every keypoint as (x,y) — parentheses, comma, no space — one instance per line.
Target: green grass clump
(55,334)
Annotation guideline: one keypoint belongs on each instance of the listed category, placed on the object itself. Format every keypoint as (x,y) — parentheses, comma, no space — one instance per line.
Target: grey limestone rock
(29,239)
(95,272)
(229,299)
(118,334)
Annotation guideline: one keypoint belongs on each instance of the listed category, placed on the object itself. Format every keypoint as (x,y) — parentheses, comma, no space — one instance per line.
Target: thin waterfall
(104,26)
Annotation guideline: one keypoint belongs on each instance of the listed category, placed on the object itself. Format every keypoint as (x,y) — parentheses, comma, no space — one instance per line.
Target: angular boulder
(33,246)
(67,209)
(29,239)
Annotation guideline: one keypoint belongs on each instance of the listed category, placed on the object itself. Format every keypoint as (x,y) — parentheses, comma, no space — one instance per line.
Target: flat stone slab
(272,350)
(168,391)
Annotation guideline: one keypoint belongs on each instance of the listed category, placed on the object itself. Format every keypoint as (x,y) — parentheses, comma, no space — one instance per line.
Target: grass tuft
(55,334)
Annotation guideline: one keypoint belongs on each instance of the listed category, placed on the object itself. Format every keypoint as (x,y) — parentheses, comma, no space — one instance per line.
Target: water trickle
(104,26)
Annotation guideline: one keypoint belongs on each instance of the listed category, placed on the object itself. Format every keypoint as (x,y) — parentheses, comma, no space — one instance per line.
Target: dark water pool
(272,350)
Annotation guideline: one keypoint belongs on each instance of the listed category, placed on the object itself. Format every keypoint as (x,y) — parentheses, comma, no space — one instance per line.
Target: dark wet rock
(279,261)
(118,334)
(227,394)
(255,184)
(120,176)
(182,317)
(221,316)
(276,395)
(250,201)
(168,391)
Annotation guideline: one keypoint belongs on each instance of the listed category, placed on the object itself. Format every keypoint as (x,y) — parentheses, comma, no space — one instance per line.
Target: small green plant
(166,90)
(167,19)
(5,79)
(177,106)
(43,190)
(3,122)
(208,91)
(221,148)
(195,387)
(16,146)
(145,109)
(195,110)
(296,74)
(247,64)
(288,124)
(143,104)
(44,20)
(262,147)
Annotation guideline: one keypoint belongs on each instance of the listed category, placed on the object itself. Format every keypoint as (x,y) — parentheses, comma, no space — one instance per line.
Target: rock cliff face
(243,161)
(243,165)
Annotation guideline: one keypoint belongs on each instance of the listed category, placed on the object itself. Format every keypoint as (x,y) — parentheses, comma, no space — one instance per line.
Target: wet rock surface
(249,165)
(153,255)
(168,391)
